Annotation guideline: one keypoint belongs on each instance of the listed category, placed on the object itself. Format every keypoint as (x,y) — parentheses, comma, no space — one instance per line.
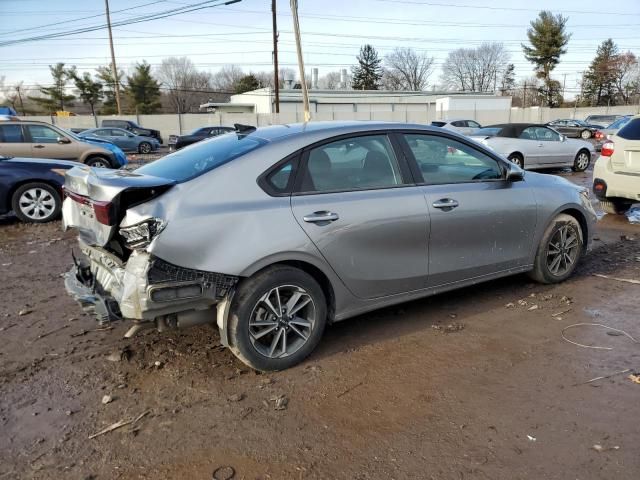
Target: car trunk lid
(628,160)
(97,199)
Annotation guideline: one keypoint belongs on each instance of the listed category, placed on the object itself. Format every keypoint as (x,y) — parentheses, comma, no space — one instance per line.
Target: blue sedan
(127,141)
(32,188)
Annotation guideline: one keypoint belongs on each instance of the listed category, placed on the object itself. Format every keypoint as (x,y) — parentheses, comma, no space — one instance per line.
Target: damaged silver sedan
(273,233)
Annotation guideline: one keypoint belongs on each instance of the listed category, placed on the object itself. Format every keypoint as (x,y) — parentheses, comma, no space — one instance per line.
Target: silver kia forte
(273,233)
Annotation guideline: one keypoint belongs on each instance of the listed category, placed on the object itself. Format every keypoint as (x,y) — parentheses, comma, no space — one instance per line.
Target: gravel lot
(476,383)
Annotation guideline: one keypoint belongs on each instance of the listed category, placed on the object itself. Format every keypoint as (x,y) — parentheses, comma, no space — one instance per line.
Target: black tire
(144,147)
(614,207)
(586,134)
(542,272)
(98,162)
(27,207)
(517,159)
(579,164)
(246,302)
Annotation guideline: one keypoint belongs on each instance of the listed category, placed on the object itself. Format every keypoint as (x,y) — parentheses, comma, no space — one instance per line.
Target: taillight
(607,149)
(103,211)
(598,135)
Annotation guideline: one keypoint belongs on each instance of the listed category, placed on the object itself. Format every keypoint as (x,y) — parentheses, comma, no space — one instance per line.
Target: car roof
(513,130)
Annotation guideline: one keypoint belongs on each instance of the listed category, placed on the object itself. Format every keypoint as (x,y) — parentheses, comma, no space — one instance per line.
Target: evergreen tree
(246,84)
(54,98)
(89,91)
(367,75)
(143,90)
(599,81)
(548,40)
(105,75)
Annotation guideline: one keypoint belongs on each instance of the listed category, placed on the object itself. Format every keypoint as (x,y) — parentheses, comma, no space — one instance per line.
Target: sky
(332,33)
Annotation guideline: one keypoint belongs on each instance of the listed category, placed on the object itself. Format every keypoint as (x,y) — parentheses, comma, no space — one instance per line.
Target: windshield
(580,123)
(202,157)
(487,132)
(195,131)
(621,122)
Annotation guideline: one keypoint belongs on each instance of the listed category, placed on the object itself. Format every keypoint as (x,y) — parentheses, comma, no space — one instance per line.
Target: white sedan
(532,146)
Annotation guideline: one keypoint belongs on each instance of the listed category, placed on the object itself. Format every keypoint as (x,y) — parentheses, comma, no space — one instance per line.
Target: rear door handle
(322,216)
(38,146)
(446,204)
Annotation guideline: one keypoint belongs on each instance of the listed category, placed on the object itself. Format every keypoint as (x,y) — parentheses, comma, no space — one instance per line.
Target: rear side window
(357,163)
(438,124)
(459,123)
(200,158)
(11,134)
(631,131)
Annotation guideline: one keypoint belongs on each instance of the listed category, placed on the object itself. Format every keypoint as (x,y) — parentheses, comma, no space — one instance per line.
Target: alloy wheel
(586,134)
(37,203)
(99,164)
(582,162)
(145,147)
(282,321)
(562,251)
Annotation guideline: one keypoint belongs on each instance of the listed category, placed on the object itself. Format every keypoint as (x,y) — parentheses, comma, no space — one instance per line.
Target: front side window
(102,132)
(43,134)
(357,163)
(443,160)
(547,135)
(202,157)
(529,134)
(473,124)
(459,123)
(118,133)
(11,134)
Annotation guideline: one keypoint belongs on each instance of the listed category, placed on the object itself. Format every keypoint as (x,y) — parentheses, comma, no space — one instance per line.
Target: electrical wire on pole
(116,80)
(303,79)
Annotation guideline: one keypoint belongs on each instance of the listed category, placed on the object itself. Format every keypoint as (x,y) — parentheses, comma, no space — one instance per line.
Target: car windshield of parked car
(198,131)
(631,131)
(192,162)
(621,122)
(487,132)
(580,123)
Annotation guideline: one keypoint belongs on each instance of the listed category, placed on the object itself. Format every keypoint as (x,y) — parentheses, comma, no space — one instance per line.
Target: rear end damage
(117,277)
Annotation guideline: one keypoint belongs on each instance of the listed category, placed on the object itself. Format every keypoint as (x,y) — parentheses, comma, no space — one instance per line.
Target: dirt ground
(477,383)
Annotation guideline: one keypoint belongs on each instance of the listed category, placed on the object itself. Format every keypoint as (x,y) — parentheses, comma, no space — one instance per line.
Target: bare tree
(475,69)
(186,86)
(330,81)
(406,69)
(226,79)
(627,75)
(13,94)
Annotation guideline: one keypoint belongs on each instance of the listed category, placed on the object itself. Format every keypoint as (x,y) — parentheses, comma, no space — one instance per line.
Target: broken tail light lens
(607,149)
(141,234)
(102,210)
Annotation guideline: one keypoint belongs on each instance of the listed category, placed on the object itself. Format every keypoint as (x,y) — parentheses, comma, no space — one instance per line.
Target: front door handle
(540,145)
(446,204)
(38,146)
(322,216)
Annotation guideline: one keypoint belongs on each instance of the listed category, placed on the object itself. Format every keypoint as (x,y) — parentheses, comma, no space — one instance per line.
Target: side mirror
(130,135)
(563,138)
(514,173)
(63,140)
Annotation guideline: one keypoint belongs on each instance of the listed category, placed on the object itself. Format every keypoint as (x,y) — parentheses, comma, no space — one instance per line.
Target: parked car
(134,128)
(616,174)
(28,138)
(32,188)
(127,141)
(612,130)
(344,228)
(574,128)
(5,110)
(530,145)
(466,127)
(601,121)
(177,142)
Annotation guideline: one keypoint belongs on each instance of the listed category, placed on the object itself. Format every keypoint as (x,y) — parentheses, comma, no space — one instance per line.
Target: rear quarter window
(11,134)
(631,131)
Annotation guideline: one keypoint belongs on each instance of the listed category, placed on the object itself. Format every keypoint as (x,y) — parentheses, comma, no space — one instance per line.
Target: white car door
(531,148)
(556,152)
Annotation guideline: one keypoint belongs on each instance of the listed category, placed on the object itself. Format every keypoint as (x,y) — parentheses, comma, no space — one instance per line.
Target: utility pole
(564,83)
(113,58)
(303,80)
(524,95)
(276,79)
(20,98)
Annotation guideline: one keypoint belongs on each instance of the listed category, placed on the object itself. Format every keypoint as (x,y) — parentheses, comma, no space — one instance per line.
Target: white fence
(174,124)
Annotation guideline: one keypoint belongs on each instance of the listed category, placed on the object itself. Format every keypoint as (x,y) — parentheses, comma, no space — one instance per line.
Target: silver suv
(273,233)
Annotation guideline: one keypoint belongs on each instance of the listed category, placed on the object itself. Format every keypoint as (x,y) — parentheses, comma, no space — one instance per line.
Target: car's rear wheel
(144,147)
(614,207)
(585,134)
(559,250)
(277,318)
(98,162)
(517,159)
(582,160)
(36,203)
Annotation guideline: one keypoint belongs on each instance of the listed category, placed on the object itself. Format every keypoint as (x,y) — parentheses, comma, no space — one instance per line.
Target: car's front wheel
(98,162)
(559,250)
(277,318)
(36,203)
(144,147)
(517,159)
(615,207)
(582,160)
(585,134)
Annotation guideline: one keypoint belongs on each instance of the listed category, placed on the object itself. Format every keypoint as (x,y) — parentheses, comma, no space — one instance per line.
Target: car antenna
(240,128)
